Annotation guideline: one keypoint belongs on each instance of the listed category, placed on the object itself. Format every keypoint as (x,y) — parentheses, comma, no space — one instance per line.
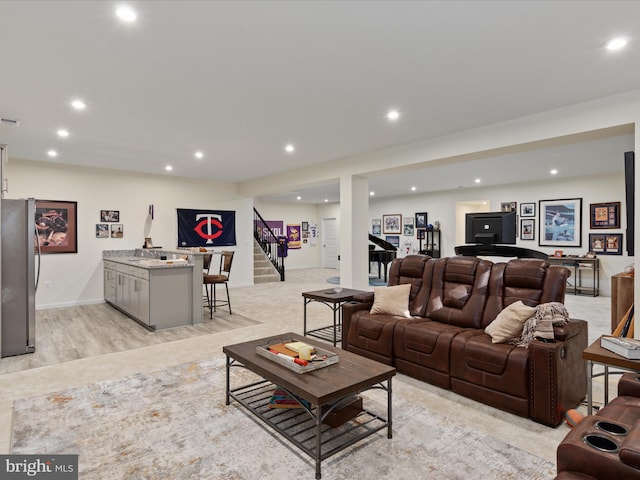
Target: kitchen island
(157,293)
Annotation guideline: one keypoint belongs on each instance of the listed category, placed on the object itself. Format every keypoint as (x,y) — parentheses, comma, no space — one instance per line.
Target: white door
(329,243)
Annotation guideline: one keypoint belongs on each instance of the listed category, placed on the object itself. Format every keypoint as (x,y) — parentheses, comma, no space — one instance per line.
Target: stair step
(274,277)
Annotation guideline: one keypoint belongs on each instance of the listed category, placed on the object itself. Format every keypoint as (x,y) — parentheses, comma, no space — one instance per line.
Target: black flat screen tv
(490,228)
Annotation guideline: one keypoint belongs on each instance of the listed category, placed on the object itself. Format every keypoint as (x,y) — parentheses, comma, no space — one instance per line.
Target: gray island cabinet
(157,295)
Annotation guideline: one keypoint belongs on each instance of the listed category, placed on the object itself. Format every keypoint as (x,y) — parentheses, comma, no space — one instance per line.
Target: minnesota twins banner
(206,228)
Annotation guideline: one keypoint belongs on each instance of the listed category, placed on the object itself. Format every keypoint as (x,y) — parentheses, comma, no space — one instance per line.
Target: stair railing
(269,243)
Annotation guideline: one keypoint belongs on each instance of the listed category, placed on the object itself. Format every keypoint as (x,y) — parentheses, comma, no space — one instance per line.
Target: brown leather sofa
(606,445)
(452,300)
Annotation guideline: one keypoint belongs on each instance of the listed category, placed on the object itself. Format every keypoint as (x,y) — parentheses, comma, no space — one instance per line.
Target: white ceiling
(238,80)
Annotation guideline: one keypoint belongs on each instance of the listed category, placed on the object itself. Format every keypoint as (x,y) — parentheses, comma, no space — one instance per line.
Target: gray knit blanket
(541,323)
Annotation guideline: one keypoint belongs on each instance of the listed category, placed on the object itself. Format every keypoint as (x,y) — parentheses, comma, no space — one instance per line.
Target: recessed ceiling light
(78,105)
(616,43)
(371,194)
(298,197)
(477,180)
(326,200)
(168,168)
(63,133)
(413,189)
(126,14)
(553,172)
(52,153)
(393,115)
(289,148)
(198,154)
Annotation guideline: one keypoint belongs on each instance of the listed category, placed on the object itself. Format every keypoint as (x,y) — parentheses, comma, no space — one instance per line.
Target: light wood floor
(65,334)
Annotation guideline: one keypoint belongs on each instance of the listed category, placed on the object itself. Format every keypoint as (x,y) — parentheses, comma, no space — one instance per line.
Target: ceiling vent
(10,122)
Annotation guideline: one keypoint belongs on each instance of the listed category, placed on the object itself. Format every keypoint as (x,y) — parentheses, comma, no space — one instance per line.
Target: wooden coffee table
(322,388)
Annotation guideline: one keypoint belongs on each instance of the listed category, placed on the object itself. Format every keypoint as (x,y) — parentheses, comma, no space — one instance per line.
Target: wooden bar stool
(210,282)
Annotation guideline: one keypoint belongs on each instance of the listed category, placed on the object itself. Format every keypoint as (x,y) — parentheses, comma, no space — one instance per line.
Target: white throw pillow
(392,300)
(509,322)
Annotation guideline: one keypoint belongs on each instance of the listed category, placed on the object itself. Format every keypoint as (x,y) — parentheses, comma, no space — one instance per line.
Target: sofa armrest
(558,374)
(348,309)
(570,330)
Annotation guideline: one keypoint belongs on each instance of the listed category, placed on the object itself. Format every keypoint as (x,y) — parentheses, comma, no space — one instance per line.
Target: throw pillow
(509,322)
(392,300)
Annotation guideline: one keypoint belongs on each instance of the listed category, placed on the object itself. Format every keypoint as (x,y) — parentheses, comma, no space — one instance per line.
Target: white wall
(68,279)
(442,206)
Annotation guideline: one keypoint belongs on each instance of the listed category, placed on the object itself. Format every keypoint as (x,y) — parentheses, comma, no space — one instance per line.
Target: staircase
(263,269)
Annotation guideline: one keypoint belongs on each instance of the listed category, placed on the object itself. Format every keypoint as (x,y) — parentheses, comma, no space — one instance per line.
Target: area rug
(174,424)
(373,281)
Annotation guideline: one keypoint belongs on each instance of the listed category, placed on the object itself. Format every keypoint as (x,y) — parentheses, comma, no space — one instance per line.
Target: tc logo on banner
(206,228)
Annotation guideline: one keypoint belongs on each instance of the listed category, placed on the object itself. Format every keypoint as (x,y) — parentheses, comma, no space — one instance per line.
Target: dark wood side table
(594,353)
(334,300)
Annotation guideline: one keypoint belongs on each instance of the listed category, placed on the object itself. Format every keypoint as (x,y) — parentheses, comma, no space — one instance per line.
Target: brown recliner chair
(606,445)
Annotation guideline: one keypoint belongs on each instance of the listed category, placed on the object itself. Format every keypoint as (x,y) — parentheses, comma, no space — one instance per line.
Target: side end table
(334,300)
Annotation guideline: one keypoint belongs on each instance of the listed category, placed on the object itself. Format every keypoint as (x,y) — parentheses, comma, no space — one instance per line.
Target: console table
(581,269)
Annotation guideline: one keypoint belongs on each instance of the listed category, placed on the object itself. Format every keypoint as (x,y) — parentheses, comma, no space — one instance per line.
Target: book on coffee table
(627,347)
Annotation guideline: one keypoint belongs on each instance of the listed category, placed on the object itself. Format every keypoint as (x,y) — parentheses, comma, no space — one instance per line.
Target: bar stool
(210,282)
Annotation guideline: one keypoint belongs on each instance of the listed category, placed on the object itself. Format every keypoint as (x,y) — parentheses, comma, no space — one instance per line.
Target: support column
(354,241)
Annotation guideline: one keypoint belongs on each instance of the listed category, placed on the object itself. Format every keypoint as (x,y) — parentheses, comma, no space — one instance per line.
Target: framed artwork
(421,220)
(407,229)
(508,206)
(605,243)
(305,226)
(420,233)
(117,230)
(558,253)
(527,229)
(102,230)
(109,215)
(605,215)
(393,240)
(560,223)
(57,226)
(376,226)
(527,209)
(392,223)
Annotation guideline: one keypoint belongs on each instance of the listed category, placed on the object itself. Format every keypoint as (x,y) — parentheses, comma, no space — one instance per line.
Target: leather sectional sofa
(606,445)
(443,342)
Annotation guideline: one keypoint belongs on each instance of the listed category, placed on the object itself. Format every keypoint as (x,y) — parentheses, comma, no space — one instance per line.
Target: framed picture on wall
(604,215)
(421,220)
(102,230)
(376,226)
(527,209)
(57,226)
(392,223)
(561,223)
(508,206)
(117,230)
(606,243)
(393,240)
(109,215)
(527,229)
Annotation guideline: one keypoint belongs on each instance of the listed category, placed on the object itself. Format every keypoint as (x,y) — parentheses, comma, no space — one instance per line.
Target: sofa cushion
(392,300)
(509,322)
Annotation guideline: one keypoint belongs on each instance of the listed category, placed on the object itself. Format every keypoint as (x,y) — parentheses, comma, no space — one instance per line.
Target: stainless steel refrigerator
(18,317)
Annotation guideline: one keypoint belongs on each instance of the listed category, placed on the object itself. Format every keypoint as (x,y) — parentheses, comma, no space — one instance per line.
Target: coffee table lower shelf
(328,333)
(301,426)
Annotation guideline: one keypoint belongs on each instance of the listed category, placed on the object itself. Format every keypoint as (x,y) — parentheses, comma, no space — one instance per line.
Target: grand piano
(383,257)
